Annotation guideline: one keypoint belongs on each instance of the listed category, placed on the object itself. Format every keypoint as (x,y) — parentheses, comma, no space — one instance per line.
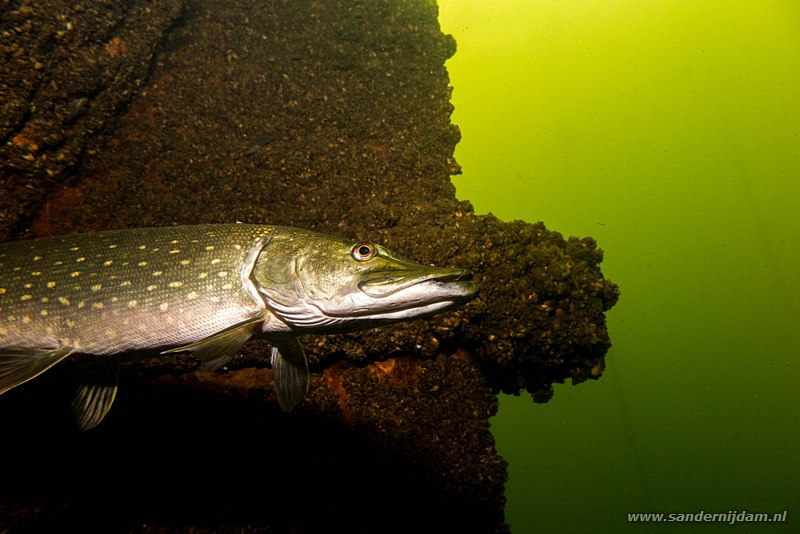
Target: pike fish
(205,290)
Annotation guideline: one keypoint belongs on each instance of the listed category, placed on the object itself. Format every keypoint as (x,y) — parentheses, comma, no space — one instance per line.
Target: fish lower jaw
(400,314)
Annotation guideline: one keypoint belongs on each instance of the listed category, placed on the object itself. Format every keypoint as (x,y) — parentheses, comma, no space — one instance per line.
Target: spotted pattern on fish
(202,289)
(158,289)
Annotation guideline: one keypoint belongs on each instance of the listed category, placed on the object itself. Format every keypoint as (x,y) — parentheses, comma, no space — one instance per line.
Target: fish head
(318,283)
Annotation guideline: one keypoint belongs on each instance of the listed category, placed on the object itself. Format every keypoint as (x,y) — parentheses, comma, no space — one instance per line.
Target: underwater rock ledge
(67,71)
(540,317)
(333,116)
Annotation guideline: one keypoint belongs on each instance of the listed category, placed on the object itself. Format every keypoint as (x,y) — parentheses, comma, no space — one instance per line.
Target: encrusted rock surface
(333,116)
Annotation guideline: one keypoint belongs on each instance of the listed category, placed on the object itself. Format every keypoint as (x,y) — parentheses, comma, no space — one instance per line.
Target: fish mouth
(458,285)
(391,295)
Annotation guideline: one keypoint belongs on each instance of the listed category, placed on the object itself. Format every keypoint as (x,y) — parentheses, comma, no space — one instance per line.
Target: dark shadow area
(180,459)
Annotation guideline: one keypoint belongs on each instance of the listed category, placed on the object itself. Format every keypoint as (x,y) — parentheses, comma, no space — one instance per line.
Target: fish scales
(205,290)
(110,292)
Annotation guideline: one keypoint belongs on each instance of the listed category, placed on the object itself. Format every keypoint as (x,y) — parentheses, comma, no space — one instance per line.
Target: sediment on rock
(333,116)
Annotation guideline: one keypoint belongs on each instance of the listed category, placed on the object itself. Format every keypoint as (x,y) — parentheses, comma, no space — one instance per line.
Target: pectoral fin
(18,365)
(95,397)
(290,368)
(216,350)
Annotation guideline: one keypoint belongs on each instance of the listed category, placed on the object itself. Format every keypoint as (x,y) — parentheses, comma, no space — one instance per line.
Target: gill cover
(313,282)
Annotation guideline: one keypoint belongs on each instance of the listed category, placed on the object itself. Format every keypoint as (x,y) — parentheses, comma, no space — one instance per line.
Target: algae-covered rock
(333,116)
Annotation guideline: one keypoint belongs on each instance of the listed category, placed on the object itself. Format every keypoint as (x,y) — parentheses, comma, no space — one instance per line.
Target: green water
(670,132)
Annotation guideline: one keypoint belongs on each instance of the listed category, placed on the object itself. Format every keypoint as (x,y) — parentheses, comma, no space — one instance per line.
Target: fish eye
(363,251)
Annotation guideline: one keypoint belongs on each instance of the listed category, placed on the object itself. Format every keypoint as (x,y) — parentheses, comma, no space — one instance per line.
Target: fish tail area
(18,365)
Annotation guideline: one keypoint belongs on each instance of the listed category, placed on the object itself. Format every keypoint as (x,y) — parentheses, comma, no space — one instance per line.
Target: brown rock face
(328,115)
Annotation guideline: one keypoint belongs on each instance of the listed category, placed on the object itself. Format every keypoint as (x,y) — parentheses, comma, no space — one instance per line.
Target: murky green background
(670,132)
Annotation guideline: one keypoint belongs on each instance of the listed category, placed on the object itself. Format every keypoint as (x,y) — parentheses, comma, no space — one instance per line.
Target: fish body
(204,289)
